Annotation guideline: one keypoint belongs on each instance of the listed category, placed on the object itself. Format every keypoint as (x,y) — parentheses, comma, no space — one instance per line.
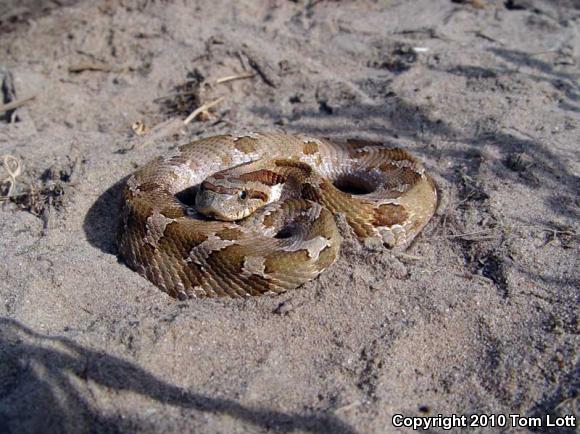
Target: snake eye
(243,194)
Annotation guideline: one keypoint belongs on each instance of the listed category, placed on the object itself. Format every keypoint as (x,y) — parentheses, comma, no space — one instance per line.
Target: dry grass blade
(94,66)
(201,109)
(473,236)
(14,169)
(234,77)
(407,256)
(15,104)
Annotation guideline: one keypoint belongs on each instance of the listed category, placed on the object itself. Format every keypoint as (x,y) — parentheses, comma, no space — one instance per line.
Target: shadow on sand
(47,384)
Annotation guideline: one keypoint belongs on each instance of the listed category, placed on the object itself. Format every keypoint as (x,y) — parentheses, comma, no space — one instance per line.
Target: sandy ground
(479,316)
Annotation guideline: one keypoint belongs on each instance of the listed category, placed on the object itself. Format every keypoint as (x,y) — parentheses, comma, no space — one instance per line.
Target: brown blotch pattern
(172,212)
(360,143)
(285,261)
(390,214)
(293,163)
(148,186)
(257,194)
(358,153)
(264,176)
(230,234)
(229,263)
(406,176)
(387,166)
(397,154)
(310,148)
(247,145)
(218,188)
(310,192)
(393,154)
(269,221)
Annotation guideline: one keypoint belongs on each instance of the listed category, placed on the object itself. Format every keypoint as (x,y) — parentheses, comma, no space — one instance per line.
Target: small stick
(234,77)
(201,109)
(469,234)
(94,66)
(482,35)
(407,256)
(15,104)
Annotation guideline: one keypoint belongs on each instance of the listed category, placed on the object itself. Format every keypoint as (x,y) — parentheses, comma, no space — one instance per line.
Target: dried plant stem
(14,169)
(234,77)
(15,104)
(94,66)
(201,109)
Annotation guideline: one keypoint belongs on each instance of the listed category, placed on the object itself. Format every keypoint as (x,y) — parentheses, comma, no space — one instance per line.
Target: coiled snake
(253,214)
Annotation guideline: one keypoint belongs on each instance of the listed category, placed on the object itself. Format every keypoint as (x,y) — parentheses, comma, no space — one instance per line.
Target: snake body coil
(253,214)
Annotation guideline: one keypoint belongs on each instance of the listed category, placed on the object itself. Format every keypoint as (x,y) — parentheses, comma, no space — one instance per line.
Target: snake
(253,214)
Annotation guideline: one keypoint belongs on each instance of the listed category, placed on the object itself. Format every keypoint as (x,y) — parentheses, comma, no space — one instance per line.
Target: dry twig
(234,77)
(94,66)
(15,104)
(408,257)
(202,109)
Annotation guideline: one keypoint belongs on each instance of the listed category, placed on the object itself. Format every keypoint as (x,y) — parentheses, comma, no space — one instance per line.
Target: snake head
(235,193)
(232,202)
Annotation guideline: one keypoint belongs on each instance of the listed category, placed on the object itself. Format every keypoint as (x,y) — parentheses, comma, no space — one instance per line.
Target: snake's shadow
(48,382)
(101,223)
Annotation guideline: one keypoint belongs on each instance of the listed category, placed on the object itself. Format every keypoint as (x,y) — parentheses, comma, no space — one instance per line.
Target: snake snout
(220,206)
(205,201)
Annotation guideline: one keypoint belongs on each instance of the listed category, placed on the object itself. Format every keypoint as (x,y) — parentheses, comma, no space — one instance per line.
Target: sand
(479,316)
